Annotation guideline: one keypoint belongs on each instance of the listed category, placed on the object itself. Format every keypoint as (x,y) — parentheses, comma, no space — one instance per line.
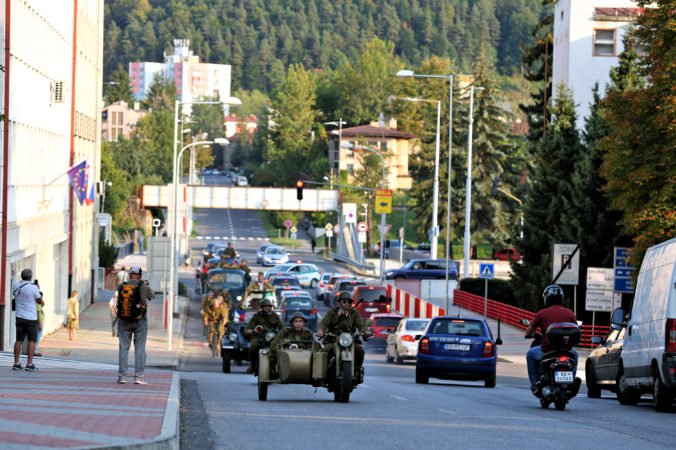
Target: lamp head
(405,73)
(221,141)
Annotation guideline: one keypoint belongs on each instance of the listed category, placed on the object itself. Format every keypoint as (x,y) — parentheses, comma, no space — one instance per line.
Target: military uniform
(216,316)
(229,252)
(336,322)
(256,286)
(270,322)
(290,335)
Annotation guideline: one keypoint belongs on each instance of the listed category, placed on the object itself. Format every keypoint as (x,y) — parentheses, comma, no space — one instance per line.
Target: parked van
(648,358)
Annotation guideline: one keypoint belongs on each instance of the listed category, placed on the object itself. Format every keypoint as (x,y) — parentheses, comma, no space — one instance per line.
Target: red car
(384,324)
(371,299)
(505,254)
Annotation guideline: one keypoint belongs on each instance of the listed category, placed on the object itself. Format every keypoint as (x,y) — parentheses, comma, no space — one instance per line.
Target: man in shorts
(26,296)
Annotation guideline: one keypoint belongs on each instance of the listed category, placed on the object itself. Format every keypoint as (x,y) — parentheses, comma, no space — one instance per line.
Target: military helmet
(345,295)
(266,302)
(297,315)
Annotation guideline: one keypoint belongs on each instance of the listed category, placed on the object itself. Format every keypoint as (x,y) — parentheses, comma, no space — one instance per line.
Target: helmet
(297,315)
(135,270)
(553,295)
(266,302)
(345,295)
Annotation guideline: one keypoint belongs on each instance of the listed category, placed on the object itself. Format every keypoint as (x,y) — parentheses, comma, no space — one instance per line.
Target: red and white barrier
(411,305)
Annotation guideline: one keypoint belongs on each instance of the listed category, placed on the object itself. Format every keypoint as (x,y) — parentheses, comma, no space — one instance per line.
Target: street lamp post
(468,185)
(383,184)
(339,124)
(410,73)
(173,275)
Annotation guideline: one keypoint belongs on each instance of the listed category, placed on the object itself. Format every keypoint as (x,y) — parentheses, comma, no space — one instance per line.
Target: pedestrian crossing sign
(487,271)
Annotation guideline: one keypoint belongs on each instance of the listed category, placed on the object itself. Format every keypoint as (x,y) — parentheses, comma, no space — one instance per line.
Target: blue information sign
(487,270)
(623,270)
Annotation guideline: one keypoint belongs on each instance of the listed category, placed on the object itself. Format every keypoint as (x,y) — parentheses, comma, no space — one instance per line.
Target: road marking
(398,398)
(445,411)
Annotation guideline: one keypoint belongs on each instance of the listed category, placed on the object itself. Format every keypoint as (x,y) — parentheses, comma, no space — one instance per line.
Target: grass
(277,236)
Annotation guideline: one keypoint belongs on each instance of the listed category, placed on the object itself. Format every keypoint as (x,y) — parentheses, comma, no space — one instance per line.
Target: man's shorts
(26,328)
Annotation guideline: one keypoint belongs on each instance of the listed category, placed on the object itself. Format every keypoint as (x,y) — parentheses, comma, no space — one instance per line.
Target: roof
(371,131)
(620,14)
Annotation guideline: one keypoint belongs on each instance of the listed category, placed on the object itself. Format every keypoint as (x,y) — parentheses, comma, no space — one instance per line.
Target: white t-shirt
(25,294)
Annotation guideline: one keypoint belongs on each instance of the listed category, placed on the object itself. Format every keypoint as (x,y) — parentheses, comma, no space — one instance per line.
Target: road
(389,410)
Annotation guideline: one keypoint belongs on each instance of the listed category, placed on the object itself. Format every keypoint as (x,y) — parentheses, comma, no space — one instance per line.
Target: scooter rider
(554,312)
(296,334)
(269,321)
(344,318)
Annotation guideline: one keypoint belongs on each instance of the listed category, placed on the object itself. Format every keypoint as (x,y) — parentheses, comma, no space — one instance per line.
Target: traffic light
(299,189)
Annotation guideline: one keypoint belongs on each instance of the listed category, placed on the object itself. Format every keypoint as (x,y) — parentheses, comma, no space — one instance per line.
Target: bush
(499,290)
(107,253)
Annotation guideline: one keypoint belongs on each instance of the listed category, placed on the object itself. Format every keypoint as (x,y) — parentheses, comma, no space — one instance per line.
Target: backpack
(129,304)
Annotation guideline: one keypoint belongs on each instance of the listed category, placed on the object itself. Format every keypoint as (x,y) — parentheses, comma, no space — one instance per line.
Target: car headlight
(345,339)
(232,336)
(389,274)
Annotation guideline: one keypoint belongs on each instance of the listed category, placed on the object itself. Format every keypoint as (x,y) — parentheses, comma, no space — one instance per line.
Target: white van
(242,181)
(648,359)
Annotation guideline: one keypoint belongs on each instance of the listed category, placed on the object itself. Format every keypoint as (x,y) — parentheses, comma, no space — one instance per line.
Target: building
(50,94)
(587,42)
(119,119)
(396,146)
(193,79)
(242,127)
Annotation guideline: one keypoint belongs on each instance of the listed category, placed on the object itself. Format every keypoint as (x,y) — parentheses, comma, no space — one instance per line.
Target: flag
(79,179)
(90,193)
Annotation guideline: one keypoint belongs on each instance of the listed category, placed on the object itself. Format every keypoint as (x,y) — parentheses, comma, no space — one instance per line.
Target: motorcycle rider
(344,318)
(216,317)
(270,321)
(554,312)
(295,334)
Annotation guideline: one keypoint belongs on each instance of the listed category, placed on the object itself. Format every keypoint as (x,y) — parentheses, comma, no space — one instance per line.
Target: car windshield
(275,251)
(457,326)
(416,325)
(386,321)
(299,302)
(285,281)
(349,286)
(226,277)
(372,295)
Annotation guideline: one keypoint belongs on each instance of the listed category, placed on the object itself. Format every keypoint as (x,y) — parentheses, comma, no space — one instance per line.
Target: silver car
(402,343)
(275,255)
(260,252)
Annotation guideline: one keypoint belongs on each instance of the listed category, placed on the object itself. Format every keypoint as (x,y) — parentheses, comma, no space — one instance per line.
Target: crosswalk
(46,363)
(233,238)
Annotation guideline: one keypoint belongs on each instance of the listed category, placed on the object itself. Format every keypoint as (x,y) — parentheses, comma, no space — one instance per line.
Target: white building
(52,55)
(587,42)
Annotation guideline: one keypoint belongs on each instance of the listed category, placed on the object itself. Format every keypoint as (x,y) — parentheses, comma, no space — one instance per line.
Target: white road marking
(445,411)
(398,398)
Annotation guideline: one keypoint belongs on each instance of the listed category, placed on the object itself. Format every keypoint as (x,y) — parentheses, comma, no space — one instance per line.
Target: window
(604,42)
(350,169)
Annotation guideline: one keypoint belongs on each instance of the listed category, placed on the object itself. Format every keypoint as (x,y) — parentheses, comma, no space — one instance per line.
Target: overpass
(236,197)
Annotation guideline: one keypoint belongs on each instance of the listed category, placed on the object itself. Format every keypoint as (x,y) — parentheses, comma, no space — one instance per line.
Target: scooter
(556,383)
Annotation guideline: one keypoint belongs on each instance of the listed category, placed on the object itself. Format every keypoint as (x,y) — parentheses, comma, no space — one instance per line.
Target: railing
(512,315)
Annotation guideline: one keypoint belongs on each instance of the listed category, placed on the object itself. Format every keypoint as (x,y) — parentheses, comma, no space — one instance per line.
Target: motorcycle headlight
(345,339)
(269,336)
(232,336)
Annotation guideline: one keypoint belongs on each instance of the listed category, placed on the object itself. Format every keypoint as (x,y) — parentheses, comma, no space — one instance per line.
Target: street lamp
(468,184)
(410,73)
(338,124)
(435,189)
(173,276)
(383,184)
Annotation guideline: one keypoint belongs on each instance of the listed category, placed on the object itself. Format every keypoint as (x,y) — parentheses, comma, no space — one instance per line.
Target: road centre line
(398,398)
(445,411)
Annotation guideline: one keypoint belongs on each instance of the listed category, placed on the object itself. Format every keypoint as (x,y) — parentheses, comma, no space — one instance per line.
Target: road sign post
(487,272)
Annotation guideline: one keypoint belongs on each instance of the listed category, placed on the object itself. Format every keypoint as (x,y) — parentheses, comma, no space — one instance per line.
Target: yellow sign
(383,202)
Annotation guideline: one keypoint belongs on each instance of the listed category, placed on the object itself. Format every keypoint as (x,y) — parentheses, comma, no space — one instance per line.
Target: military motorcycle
(296,365)
(556,382)
(234,345)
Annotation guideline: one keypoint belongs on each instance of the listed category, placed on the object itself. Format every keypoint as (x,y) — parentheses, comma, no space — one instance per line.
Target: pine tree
(119,88)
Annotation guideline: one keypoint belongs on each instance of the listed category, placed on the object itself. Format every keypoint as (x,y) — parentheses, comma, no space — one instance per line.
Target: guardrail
(512,315)
(369,269)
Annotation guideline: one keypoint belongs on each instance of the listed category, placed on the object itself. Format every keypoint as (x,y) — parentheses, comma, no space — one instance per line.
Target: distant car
(371,299)
(423,248)
(260,251)
(454,348)
(241,181)
(330,289)
(425,269)
(308,274)
(274,255)
(506,254)
(347,284)
(209,250)
(293,301)
(323,283)
(402,343)
(284,282)
(383,325)
(603,363)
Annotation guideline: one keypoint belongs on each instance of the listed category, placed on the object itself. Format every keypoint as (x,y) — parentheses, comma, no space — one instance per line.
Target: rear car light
(489,349)
(407,338)
(321,285)
(670,344)
(424,346)
(313,311)
(563,358)
(388,307)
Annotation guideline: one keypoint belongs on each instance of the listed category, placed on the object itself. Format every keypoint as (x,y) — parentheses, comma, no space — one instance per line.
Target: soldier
(259,285)
(216,317)
(244,265)
(296,334)
(229,251)
(344,319)
(206,301)
(270,321)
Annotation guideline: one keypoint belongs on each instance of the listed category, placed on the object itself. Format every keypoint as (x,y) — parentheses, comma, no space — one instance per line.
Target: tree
(161,94)
(639,163)
(119,88)
(548,193)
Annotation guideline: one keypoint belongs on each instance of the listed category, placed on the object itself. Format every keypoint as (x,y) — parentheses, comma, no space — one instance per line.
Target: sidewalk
(73,401)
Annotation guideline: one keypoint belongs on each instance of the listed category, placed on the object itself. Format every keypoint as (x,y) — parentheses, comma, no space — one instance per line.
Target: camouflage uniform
(269,322)
(216,315)
(289,335)
(336,322)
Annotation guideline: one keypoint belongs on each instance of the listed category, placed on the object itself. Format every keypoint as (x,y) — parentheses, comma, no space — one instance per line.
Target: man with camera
(26,296)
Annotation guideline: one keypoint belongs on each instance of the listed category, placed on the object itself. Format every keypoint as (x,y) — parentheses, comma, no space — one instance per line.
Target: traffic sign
(383,201)
(566,257)
(603,300)
(623,270)
(156,223)
(288,223)
(361,236)
(329,233)
(293,234)
(328,227)
(350,212)
(487,271)
(362,227)
(293,230)
(600,278)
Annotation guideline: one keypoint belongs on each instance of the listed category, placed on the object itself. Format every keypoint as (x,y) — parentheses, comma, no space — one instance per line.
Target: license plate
(563,377)
(370,309)
(228,347)
(457,347)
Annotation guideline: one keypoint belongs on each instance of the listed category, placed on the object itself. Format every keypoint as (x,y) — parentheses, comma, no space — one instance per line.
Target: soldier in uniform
(206,301)
(295,334)
(344,319)
(244,265)
(229,251)
(270,321)
(259,285)
(216,316)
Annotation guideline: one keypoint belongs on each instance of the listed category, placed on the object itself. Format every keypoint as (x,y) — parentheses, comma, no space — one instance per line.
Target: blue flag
(79,179)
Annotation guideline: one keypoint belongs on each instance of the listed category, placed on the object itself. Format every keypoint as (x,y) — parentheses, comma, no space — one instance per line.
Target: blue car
(454,348)
(425,269)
